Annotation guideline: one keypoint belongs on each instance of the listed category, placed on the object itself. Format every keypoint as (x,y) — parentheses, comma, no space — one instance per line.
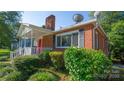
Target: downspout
(95,27)
(96,15)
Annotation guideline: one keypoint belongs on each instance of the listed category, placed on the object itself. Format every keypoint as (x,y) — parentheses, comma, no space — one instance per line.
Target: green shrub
(43,76)
(5,71)
(87,64)
(27,64)
(4,58)
(14,76)
(3,64)
(45,58)
(57,59)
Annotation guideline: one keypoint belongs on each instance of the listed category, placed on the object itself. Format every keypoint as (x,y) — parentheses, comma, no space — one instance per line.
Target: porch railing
(25,51)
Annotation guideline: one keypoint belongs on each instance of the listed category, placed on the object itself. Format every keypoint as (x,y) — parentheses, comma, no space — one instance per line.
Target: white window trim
(63,34)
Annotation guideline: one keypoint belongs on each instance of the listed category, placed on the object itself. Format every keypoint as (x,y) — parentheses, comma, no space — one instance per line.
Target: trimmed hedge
(43,76)
(45,58)
(87,64)
(27,64)
(57,59)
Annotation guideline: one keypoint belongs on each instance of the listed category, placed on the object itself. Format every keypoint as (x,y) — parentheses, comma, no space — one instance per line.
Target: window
(22,43)
(28,42)
(81,38)
(75,39)
(66,40)
(58,41)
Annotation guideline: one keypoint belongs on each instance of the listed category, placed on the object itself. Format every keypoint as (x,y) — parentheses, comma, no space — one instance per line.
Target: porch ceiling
(36,33)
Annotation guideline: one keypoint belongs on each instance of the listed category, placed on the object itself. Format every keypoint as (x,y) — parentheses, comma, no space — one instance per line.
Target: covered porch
(29,41)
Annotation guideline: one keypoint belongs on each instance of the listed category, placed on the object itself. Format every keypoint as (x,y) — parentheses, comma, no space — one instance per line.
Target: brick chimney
(50,22)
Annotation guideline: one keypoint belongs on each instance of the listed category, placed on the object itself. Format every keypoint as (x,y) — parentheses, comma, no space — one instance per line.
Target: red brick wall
(47,41)
(50,22)
(87,35)
(88,39)
(102,42)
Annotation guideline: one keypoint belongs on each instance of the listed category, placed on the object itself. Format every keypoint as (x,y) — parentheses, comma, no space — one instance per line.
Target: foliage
(43,76)
(86,64)
(5,71)
(107,18)
(9,24)
(27,64)
(112,23)
(2,64)
(14,76)
(57,59)
(45,58)
(4,58)
(116,37)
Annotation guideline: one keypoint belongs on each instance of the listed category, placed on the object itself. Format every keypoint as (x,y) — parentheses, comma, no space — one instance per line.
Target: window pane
(81,36)
(58,41)
(23,42)
(28,42)
(75,39)
(66,40)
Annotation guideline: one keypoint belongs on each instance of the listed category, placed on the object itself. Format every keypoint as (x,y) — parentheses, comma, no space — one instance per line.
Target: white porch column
(31,41)
(20,46)
(24,45)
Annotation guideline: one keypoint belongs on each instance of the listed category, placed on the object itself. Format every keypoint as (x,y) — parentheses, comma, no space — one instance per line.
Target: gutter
(96,25)
(76,25)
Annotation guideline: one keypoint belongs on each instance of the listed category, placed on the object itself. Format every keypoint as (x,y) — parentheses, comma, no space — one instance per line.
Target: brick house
(34,39)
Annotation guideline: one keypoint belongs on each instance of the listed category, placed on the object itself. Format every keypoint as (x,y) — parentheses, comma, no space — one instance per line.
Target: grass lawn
(4,50)
(4,55)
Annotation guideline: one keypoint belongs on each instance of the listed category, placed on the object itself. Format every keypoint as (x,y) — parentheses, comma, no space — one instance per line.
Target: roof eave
(76,25)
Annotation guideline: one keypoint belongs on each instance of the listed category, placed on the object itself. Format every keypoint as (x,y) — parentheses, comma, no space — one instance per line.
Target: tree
(116,37)
(112,23)
(107,18)
(9,24)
